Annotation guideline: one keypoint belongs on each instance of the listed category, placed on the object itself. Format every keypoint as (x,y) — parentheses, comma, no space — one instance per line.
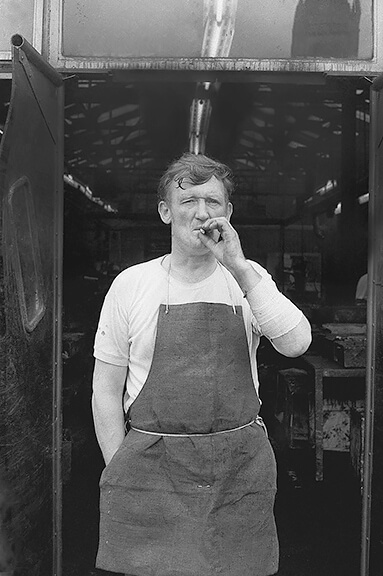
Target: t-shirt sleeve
(111,343)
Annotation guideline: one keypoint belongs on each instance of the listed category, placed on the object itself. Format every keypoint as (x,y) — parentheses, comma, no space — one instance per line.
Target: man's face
(188,208)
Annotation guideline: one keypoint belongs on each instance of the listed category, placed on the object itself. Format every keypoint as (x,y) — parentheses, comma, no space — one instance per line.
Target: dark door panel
(31,178)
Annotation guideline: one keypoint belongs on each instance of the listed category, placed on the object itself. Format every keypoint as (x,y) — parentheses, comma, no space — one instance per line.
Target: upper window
(340,29)
(17,16)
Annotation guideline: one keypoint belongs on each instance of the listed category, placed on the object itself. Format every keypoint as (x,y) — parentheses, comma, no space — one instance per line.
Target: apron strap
(192,435)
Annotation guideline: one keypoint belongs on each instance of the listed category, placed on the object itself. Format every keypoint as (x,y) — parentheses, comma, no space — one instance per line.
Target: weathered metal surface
(357,434)
(372,503)
(350,351)
(346,343)
(339,68)
(30,353)
(336,423)
(321,368)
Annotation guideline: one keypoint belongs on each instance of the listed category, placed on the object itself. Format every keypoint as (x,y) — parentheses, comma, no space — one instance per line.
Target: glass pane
(16,16)
(26,254)
(303,28)
(224,28)
(131,28)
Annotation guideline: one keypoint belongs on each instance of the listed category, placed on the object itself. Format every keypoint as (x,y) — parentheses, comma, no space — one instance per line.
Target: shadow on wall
(327,29)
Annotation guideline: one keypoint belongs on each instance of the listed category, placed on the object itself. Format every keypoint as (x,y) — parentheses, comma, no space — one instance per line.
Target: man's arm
(272,310)
(295,342)
(107,407)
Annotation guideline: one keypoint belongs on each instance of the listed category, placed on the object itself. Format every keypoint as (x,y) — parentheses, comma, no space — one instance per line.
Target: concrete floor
(319,523)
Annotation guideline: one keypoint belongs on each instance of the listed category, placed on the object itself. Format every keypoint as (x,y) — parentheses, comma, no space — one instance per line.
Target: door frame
(374,329)
(374,322)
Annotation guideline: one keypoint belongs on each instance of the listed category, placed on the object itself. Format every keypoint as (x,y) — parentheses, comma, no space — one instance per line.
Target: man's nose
(202,213)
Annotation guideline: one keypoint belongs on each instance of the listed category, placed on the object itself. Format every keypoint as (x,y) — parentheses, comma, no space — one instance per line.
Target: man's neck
(190,268)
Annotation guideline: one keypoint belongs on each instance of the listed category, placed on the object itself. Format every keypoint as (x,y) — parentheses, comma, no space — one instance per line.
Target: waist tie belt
(258,420)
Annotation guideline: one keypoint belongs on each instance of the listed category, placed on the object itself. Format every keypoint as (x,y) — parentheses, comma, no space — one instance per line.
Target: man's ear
(229,210)
(164,212)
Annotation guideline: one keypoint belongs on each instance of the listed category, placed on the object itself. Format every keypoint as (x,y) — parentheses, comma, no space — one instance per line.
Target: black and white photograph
(191,288)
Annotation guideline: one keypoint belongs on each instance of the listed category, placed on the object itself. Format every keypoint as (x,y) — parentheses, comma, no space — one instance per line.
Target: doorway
(298,146)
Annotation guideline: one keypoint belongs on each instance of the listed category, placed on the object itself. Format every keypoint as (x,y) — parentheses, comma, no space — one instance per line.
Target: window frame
(102,64)
(29,321)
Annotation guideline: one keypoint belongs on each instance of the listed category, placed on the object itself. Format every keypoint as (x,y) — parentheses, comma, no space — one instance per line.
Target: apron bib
(190,492)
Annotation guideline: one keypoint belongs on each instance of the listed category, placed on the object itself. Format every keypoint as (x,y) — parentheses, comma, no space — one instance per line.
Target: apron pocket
(121,468)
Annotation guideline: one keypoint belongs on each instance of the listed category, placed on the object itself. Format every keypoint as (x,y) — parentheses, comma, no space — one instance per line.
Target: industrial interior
(298,146)
(299,149)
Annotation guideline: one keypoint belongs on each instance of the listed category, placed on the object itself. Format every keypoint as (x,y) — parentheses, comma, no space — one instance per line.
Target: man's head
(194,169)
(194,190)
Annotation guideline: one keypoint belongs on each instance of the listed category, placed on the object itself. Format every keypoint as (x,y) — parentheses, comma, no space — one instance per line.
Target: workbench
(321,368)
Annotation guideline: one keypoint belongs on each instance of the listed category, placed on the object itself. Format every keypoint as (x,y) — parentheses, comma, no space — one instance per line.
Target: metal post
(374,325)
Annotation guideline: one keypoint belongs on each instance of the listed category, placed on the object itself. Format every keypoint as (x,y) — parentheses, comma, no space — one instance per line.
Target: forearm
(279,319)
(108,419)
(107,406)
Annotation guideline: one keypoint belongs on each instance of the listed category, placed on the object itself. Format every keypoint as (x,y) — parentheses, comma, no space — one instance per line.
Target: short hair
(197,169)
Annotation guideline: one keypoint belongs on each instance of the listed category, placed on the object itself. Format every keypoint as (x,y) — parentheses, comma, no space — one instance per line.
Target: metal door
(372,504)
(31,176)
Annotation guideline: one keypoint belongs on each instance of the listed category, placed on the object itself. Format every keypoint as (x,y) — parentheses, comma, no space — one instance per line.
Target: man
(189,491)
(361,290)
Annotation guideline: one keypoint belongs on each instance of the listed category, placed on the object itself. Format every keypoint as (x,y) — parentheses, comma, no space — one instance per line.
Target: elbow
(300,346)
(296,342)
(303,339)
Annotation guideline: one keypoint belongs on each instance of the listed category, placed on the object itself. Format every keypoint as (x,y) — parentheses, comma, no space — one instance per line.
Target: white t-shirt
(362,288)
(128,322)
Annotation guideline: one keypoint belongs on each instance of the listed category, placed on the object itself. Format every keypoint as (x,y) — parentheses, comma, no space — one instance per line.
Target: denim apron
(190,492)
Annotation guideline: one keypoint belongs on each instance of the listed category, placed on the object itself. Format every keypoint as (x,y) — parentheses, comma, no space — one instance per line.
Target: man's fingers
(206,238)
(219,223)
